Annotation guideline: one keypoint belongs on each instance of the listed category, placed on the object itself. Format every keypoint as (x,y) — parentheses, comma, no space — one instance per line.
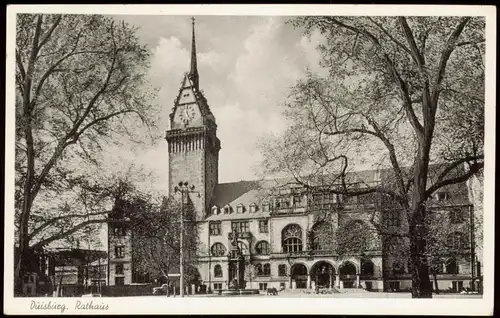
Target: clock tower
(193,146)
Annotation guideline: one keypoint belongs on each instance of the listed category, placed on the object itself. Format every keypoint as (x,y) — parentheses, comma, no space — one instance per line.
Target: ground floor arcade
(295,273)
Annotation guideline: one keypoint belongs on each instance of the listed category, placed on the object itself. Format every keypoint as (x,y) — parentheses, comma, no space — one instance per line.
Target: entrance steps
(310,291)
(354,290)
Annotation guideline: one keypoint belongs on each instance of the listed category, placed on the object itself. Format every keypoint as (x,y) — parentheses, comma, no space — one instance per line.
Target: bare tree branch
(62,217)
(445,56)
(67,233)
(473,170)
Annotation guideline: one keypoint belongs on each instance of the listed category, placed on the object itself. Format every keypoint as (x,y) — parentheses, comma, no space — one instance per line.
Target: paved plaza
(347,295)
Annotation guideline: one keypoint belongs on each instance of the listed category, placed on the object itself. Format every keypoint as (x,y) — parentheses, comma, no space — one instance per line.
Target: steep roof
(257,191)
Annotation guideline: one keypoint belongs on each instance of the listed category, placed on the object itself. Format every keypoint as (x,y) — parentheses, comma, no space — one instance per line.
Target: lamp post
(290,261)
(184,188)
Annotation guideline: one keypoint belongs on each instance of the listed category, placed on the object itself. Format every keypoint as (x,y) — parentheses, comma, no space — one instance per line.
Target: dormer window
(240,208)
(215,210)
(227,209)
(253,208)
(442,196)
(265,207)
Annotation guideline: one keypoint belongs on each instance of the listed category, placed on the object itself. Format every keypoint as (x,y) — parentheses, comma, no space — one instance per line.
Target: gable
(190,107)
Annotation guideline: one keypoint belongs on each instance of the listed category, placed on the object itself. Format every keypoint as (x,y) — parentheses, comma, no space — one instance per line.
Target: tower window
(119,251)
(119,231)
(119,269)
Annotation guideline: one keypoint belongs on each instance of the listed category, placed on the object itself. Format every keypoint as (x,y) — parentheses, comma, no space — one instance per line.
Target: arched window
(291,239)
(282,270)
(452,266)
(322,236)
(267,269)
(218,249)
(398,268)
(456,241)
(262,248)
(217,271)
(367,267)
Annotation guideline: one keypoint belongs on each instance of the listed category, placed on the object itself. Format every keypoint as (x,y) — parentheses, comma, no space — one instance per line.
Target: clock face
(187,113)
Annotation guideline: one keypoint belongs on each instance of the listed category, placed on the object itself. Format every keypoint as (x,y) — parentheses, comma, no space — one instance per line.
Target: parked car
(162,290)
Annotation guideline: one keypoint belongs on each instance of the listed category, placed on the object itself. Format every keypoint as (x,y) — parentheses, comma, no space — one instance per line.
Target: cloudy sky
(246,65)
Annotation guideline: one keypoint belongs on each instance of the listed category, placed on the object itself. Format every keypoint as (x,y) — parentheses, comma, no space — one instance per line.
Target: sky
(246,64)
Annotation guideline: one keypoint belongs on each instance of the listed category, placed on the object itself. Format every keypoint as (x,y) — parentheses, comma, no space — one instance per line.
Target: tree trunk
(421,284)
(18,282)
(59,287)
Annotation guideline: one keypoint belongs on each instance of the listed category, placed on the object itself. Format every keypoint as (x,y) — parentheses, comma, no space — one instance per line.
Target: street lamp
(290,259)
(184,188)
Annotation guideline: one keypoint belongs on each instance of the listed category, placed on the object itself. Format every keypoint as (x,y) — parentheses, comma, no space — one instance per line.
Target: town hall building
(268,233)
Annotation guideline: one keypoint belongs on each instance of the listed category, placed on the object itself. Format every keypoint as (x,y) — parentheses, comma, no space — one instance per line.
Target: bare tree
(156,238)
(78,80)
(401,94)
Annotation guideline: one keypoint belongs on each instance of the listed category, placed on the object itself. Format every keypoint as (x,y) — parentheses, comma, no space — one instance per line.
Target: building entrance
(299,276)
(323,274)
(348,275)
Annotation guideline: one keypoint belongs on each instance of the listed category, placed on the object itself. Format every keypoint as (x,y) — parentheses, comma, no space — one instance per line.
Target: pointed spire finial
(193,73)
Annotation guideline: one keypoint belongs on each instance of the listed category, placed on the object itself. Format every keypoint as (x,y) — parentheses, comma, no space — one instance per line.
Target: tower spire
(193,72)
